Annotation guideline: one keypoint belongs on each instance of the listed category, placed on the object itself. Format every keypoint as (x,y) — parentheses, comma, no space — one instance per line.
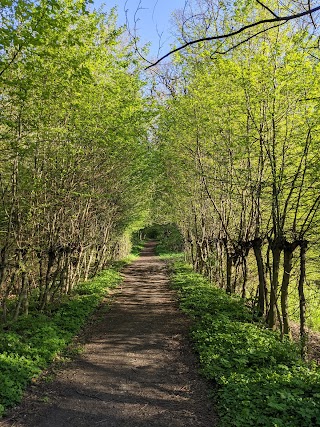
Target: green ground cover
(30,344)
(258,380)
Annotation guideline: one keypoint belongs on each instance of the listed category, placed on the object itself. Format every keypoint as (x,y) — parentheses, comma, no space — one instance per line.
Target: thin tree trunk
(229,273)
(25,295)
(200,260)
(220,268)
(3,265)
(302,300)
(257,249)
(22,296)
(88,264)
(287,267)
(45,295)
(3,269)
(245,276)
(272,315)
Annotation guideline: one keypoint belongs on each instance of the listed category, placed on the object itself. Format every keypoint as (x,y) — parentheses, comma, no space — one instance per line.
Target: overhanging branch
(276,18)
(245,40)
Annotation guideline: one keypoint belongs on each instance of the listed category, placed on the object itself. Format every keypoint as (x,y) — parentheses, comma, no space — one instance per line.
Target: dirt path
(137,369)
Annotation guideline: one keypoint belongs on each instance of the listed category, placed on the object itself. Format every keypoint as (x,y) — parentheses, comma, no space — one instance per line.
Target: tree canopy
(224,146)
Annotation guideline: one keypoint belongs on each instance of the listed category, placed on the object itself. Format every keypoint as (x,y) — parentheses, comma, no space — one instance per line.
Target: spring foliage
(238,139)
(74,180)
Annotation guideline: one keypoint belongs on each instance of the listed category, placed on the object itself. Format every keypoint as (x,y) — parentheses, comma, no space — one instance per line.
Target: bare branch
(311,17)
(133,35)
(268,9)
(283,19)
(246,40)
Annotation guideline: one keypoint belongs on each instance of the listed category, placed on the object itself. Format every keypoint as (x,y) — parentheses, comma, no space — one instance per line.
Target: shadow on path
(137,369)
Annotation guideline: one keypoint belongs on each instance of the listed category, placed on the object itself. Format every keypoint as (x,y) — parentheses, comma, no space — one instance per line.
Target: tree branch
(245,40)
(11,61)
(311,17)
(268,9)
(133,35)
(283,19)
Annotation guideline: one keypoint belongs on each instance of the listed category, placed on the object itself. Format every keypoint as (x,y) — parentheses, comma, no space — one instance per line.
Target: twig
(246,40)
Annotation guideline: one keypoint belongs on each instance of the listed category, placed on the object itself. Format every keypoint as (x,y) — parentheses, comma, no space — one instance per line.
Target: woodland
(218,144)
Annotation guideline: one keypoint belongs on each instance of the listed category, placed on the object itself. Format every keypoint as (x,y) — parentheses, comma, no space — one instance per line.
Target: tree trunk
(22,297)
(257,249)
(220,273)
(25,295)
(245,276)
(272,315)
(88,264)
(302,300)
(200,260)
(3,265)
(45,294)
(229,273)
(287,267)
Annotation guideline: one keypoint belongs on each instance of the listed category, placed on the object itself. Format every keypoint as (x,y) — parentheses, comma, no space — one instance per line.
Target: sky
(153,19)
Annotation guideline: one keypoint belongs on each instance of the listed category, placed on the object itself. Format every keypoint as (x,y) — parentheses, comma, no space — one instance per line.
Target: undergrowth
(28,345)
(259,380)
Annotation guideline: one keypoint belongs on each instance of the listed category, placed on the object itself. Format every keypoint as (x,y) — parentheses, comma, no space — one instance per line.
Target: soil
(313,342)
(137,368)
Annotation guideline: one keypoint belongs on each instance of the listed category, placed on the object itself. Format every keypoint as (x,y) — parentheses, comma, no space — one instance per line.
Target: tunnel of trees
(223,142)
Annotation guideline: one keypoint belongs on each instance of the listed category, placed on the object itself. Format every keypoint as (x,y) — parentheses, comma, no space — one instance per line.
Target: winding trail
(137,369)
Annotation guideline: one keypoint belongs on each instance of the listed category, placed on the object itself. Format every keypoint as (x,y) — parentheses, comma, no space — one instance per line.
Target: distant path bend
(137,369)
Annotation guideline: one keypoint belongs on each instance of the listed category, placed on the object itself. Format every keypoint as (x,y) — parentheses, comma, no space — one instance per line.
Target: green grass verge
(30,344)
(258,380)
(137,247)
(166,253)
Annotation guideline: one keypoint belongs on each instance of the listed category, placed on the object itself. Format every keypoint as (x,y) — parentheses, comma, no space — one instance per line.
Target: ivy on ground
(260,380)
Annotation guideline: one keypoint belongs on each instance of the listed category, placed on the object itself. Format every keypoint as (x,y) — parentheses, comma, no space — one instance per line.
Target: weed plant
(28,345)
(259,380)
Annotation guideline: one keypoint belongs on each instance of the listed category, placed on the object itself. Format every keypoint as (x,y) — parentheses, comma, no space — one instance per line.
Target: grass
(258,379)
(170,256)
(30,344)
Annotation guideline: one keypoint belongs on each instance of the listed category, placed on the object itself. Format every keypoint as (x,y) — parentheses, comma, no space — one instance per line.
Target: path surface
(137,369)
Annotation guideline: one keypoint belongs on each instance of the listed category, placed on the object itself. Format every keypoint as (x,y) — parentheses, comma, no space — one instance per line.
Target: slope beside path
(137,369)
